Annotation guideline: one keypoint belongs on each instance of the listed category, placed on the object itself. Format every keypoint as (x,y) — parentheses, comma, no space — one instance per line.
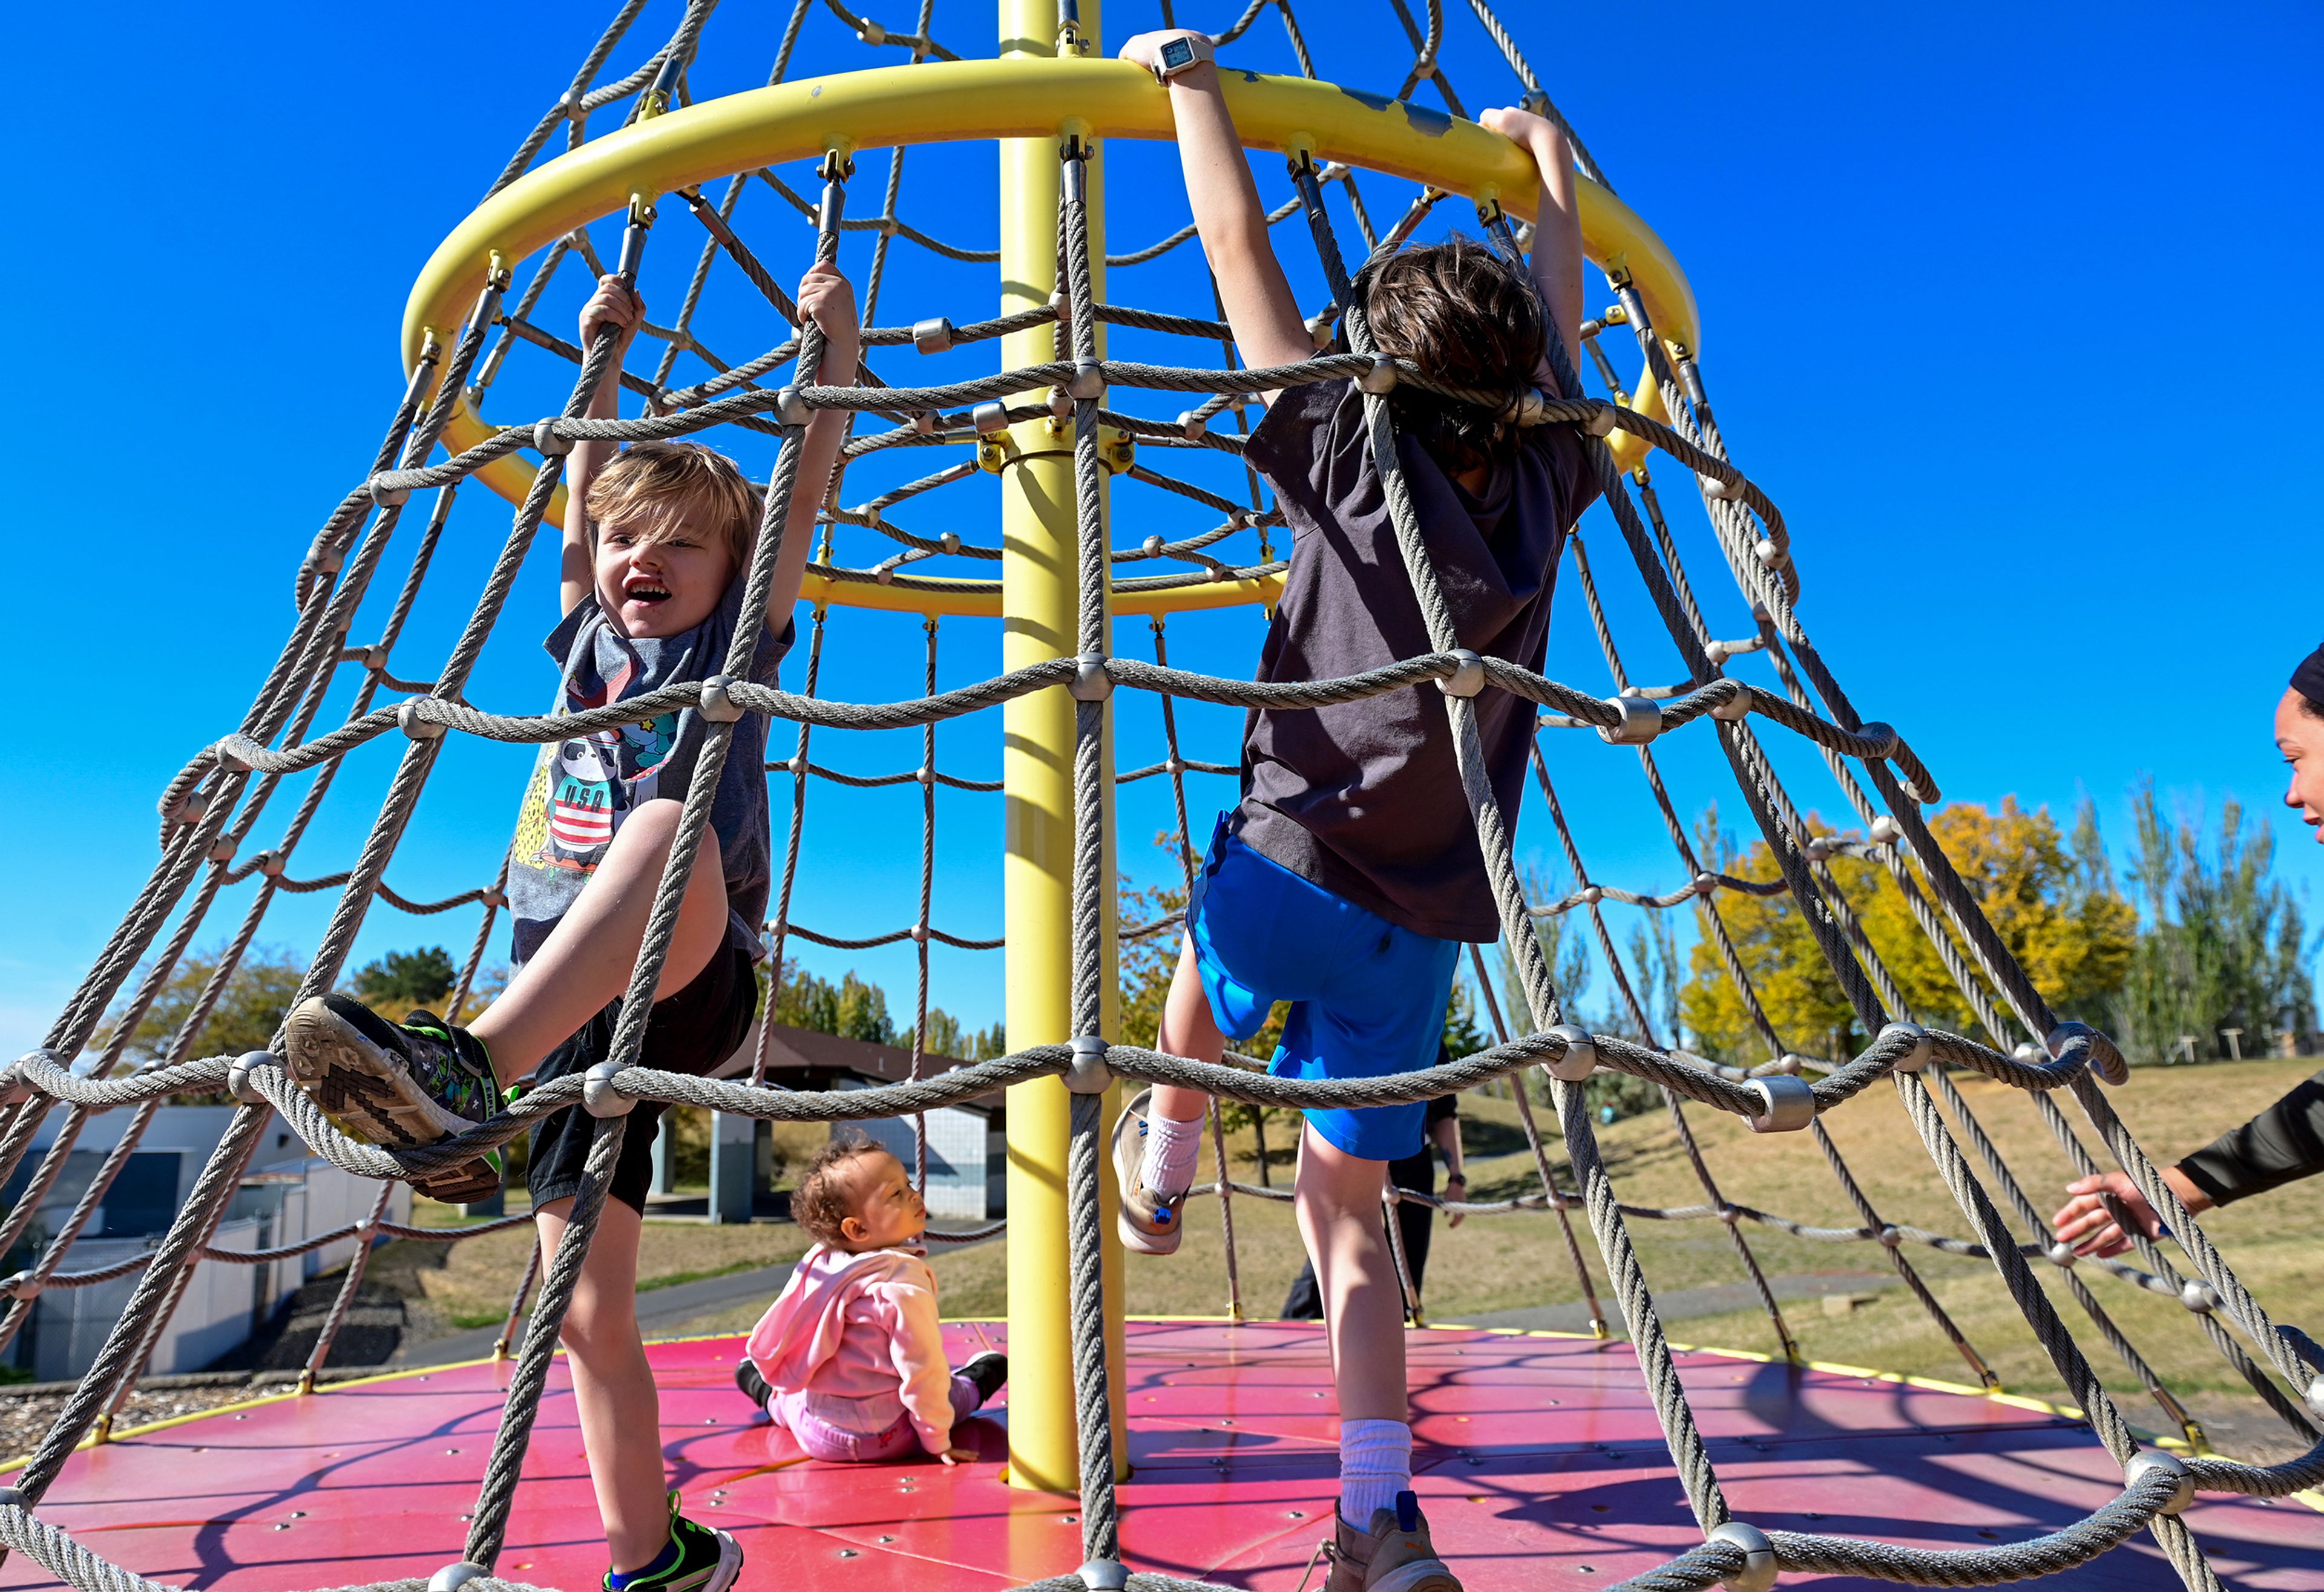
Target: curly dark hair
(1468,318)
(820,1205)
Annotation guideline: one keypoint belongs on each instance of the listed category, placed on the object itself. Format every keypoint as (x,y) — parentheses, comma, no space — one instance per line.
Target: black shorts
(692,1031)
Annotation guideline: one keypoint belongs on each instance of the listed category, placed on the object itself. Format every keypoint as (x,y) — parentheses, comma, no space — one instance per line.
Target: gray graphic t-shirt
(583,786)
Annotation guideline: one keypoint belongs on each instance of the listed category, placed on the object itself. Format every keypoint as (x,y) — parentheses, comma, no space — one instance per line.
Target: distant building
(968,1143)
(285,1197)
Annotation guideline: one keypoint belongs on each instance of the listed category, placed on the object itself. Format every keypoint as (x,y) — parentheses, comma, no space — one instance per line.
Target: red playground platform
(1540,1466)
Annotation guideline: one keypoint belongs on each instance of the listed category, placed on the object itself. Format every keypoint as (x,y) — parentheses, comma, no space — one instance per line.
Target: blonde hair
(662,486)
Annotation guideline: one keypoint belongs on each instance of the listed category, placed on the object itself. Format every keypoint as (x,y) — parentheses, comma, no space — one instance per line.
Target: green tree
(251,1006)
(2223,946)
(403,979)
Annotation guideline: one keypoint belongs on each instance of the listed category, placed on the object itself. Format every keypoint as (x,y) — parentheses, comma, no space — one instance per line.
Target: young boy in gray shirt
(658,544)
(1348,876)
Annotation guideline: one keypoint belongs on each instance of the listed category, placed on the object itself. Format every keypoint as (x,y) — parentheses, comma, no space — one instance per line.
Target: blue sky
(2002,305)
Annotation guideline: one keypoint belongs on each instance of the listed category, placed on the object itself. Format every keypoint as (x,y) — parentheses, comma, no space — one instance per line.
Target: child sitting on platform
(657,548)
(849,1358)
(1348,876)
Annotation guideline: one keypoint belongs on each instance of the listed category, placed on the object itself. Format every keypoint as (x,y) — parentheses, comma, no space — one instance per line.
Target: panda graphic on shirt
(585,785)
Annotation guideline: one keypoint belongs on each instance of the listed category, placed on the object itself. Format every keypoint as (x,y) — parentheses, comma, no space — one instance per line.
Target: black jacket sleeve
(2281,1144)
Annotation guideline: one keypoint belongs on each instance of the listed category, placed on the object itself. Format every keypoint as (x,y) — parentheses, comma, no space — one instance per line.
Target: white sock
(1169,1168)
(1374,1466)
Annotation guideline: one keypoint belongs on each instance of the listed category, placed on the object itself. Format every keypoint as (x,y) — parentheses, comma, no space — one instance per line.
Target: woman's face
(2300,737)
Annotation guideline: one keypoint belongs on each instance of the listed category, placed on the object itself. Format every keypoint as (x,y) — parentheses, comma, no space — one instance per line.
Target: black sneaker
(989,1373)
(399,1087)
(753,1386)
(706,1561)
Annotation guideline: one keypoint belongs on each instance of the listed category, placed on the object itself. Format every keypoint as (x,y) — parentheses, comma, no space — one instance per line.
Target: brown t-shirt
(1364,798)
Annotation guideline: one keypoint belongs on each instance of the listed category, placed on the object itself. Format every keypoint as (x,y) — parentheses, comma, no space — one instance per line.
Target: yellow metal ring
(949,101)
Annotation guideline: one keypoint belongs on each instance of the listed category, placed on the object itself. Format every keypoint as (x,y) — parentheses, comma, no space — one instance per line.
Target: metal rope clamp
(14,1090)
(1089,380)
(240,1084)
(407,720)
(1468,675)
(718,705)
(1104,1575)
(547,443)
(1580,1058)
(1920,1051)
(1759,1566)
(1736,708)
(1641,721)
(387,497)
(453,1577)
(2148,1462)
(1091,683)
(933,335)
(22,1285)
(1380,378)
(1089,1074)
(1786,1104)
(598,1093)
(790,409)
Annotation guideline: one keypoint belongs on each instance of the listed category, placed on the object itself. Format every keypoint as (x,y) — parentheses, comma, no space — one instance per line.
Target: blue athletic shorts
(1367,997)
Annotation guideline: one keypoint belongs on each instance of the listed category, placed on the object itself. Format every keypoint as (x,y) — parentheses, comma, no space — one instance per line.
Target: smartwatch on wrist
(1181,55)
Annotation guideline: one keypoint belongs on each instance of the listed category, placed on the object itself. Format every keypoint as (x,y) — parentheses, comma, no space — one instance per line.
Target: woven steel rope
(198,827)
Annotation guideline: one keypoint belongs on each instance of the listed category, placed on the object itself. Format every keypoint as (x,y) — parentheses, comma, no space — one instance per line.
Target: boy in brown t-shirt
(1348,876)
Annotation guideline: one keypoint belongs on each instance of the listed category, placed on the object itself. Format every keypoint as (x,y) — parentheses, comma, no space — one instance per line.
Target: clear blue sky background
(2003,305)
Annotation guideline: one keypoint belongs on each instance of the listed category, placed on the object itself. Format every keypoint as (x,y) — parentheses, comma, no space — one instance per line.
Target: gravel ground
(26,1417)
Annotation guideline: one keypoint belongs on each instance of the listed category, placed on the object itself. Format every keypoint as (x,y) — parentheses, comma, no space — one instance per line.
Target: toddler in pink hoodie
(849,1358)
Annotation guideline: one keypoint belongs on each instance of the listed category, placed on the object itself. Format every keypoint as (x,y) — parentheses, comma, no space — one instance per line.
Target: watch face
(1176,53)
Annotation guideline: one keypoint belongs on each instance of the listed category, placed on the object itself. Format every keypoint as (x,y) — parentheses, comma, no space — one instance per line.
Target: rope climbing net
(212,808)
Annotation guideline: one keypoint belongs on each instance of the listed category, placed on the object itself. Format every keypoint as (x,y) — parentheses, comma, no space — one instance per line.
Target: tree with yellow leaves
(2052,903)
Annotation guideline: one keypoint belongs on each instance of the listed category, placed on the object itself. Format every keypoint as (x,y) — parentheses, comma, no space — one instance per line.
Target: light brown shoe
(1148,1225)
(1387,1558)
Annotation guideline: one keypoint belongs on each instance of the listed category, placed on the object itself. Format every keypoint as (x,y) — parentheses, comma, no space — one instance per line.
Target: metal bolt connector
(1089,1074)
(1641,721)
(718,705)
(1786,1105)
(598,1093)
(1091,682)
(407,720)
(1759,1566)
(1581,1057)
(2149,1462)
(1468,677)
(1920,1051)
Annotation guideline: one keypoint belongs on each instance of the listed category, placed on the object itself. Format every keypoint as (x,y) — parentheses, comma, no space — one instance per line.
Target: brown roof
(801,1058)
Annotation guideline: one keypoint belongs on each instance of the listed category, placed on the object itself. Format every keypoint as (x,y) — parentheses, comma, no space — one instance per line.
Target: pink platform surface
(1540,1466)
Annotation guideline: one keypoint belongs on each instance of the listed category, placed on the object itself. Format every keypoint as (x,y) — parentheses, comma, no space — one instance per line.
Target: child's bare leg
(1339,1206)
(1338,1201)
(1187,1030)
(612,1385)
(585,961)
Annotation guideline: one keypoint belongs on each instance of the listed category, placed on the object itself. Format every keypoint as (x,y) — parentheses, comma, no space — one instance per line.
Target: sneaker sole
(1422,1575)
(370,1096)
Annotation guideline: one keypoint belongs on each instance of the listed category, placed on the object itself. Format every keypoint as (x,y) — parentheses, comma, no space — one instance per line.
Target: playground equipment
(1046,427)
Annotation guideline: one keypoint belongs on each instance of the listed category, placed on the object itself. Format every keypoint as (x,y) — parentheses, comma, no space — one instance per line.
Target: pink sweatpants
(823,1440)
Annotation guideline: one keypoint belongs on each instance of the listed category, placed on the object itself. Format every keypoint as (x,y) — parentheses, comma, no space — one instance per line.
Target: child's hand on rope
(2085,1223)
(828,300)
(614,305)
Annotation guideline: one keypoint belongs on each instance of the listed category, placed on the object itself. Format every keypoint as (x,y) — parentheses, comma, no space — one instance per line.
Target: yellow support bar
(1039,542)
(1024,96)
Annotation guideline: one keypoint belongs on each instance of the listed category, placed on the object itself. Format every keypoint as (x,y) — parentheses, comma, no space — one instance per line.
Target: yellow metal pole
(1039,606)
